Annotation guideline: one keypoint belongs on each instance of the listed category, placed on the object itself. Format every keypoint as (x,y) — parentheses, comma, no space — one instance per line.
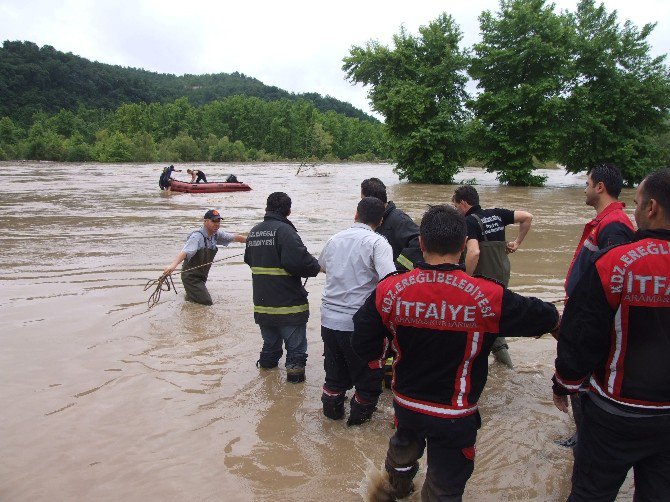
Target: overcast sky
(293,44)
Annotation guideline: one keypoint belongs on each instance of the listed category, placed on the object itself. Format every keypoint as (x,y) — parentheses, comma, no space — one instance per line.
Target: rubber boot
(333,405)
(501,353)
(401,479)
(360,412)
(266,364)
(295,374)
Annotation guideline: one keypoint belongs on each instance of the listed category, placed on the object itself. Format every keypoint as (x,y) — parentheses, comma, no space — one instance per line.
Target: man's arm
(295,258)
(175,263)
(526,315)
(369,339)
(472,256)
(242,238)
(524,219)
(584,336)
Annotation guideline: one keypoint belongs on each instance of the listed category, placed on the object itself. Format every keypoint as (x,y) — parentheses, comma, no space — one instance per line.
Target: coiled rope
(166,283)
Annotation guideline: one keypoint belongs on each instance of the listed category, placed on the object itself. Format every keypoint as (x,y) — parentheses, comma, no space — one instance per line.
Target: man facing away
(615,336)
(399,229)
(442,324)
(354,261)
(487,247)
(198,254)
(278,260)
(610,227)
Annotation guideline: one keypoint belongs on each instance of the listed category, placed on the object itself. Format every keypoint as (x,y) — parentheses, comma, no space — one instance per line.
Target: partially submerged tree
(419,87)
(618,96)
(519,66)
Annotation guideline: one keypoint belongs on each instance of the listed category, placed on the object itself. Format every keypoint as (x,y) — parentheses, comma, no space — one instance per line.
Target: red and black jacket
(442,324)
(610,227)
(616,327)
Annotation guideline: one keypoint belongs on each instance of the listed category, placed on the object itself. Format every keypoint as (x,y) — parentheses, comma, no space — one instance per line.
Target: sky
(292,44)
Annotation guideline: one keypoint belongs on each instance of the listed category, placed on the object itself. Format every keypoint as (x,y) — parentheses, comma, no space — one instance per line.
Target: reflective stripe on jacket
(278,260)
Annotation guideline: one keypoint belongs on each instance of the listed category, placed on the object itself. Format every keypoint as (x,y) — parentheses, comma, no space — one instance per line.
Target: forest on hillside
(34,79)
(59,106)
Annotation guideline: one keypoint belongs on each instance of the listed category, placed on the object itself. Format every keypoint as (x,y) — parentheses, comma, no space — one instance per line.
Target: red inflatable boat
(215,186)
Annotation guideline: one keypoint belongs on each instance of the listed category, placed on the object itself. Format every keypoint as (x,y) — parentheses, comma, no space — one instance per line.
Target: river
(103,399)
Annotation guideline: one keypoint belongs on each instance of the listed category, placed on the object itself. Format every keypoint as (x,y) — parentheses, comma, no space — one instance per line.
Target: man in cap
(198,254)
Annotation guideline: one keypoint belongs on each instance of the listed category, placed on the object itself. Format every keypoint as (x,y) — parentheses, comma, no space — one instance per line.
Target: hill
(44,79)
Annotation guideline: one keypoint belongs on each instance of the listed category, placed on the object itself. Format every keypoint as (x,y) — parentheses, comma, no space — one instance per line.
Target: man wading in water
(199,251)
(442,324)
(610,227)
(487,249)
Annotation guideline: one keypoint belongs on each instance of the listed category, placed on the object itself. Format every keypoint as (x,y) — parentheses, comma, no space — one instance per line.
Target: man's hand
(561,403)
(512,246)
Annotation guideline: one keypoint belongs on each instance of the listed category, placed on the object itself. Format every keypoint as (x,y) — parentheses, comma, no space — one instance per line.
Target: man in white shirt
(354,261)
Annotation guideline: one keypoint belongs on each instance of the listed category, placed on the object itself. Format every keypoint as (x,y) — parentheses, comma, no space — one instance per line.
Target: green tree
(419,87)
(618,96)
(114,147)
(44,143)
(520,68)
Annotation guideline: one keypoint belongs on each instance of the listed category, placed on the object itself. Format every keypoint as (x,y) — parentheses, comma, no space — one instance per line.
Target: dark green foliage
(34,79)
(618,96)
(519,65)
(419,87)
(235,129)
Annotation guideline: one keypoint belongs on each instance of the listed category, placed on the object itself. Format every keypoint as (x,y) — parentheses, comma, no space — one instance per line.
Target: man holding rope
(198,254)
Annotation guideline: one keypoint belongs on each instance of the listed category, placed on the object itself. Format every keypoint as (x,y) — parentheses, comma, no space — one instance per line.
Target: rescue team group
(393,285)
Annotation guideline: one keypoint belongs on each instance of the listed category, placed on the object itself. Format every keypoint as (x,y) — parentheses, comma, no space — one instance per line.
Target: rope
(166,283)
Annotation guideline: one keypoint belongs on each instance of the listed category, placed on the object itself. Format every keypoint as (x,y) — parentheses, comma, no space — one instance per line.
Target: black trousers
(610,445)
(451,452)
(344,369)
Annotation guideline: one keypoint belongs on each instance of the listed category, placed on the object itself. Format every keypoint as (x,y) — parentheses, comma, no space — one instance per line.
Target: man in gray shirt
(198,254)
(354,261)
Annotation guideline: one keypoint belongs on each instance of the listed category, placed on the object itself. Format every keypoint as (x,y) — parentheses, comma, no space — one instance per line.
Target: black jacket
(403,235)
(615,333)
(442,324)
(278,259)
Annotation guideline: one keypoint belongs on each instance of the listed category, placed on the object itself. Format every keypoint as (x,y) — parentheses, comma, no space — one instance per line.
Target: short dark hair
(468,193)
(657,186)
(374,187)
(279,202)
(442,230)
(370,211)
(610,175)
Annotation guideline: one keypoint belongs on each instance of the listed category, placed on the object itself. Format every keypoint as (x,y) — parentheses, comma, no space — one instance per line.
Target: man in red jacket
(610,227)
(442,324)
(615,336)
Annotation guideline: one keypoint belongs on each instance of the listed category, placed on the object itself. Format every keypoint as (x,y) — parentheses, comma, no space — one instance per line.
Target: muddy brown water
(102,400)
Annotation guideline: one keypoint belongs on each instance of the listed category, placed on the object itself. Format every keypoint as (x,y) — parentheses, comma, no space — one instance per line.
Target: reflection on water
(104,400)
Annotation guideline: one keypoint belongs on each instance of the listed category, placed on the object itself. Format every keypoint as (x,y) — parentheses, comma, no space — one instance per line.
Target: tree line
(237,128)
(578,88)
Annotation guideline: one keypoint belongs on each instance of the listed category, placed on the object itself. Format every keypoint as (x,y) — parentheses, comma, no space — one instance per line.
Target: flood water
(101,399)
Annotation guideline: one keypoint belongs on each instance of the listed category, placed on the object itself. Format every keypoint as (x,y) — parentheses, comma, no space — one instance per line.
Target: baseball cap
(212,214)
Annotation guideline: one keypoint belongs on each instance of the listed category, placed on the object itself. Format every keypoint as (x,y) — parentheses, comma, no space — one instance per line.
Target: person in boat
(231,178)
(166,176)
(197,176)
(487,249)
(614,337)
(198,254)
(610,227)
(354,261)
(278,260)
(442,323)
